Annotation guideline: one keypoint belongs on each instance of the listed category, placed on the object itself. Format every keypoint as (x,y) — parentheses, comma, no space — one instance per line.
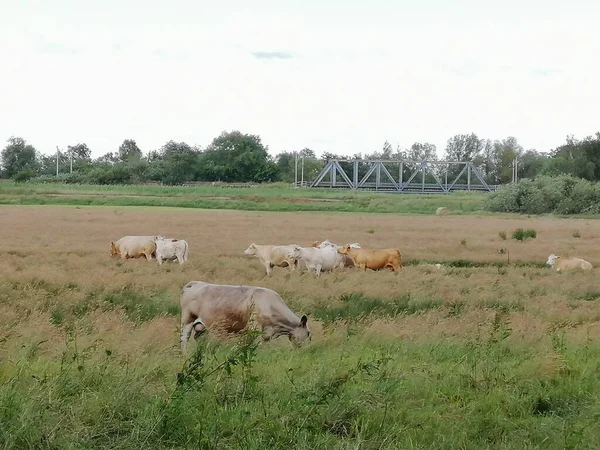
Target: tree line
(238,157)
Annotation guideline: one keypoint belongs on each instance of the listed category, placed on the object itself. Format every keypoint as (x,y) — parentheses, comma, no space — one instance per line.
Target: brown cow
(374,259)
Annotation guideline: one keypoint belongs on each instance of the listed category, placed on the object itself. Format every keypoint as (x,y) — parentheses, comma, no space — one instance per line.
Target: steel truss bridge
(434,176)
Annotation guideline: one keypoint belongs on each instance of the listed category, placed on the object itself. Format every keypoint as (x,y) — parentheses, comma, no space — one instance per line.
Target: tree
(286,163)
(108,158)
(308,153)
(531,164)
(237,157)
(18,156)
(578,158)
(462,147)
(504,153)
(129,150)
(80,151)
(180,162)
(419,152)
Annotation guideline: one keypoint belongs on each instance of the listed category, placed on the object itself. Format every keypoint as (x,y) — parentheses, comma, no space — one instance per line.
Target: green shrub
(520,234)
(23,175)
(563,194)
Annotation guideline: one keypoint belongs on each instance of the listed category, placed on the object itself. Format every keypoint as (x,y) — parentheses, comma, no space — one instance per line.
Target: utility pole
(515,168)
(71,159)
(57,154)
(295,169)
(302,178)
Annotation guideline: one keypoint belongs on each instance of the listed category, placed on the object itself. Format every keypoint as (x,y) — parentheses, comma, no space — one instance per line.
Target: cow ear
(303,321)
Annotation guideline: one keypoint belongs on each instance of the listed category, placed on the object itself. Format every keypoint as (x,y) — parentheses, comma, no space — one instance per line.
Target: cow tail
(185,252)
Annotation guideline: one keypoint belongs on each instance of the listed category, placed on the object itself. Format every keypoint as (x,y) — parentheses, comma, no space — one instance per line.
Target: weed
(576,235)
(520,234)
(502,235)
(463,242)
(371,231)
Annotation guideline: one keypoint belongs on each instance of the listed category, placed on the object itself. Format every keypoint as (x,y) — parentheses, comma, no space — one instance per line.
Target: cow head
(552,260)
(114,251)
(251,250)
(294,253)
(344,249)
(301,333)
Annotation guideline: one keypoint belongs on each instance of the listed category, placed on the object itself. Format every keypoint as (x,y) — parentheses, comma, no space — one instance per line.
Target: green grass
(274,197)
(356,307)
(360,394)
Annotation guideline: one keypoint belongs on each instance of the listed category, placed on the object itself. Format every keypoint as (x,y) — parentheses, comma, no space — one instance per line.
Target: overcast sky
(332,75)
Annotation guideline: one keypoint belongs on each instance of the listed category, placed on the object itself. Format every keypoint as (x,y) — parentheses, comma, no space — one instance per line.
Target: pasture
(481,354)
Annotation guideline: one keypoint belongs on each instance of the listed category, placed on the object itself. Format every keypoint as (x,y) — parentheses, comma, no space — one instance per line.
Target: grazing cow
(317,258)
(133,247)
(272,255)
(171,249)
(573,263)
(374,259)
(327,243)
(234,308)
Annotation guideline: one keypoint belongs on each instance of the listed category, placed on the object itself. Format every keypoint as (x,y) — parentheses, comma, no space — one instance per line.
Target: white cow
(328,243)
(318,259)
(347,261)
(171,249)
(229,308)
(133,247)
(273,255)
(560,264)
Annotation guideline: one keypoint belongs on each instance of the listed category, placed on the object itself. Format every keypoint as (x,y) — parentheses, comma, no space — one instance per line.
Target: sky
(331,75)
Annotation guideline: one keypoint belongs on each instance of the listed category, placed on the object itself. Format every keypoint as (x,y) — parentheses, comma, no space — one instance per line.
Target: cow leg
(148,256)
(186,332)
(159,259)
(318,270)
(268,267)
(180,259)
(268,333)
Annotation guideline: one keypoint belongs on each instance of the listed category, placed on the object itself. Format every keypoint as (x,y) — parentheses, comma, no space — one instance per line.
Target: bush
(520,234)
(23,175)
(562,194)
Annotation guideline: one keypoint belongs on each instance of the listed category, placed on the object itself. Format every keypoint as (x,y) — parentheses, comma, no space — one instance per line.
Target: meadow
(262,197)
(495,350)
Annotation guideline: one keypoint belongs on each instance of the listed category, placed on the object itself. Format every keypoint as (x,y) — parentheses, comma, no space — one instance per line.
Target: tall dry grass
(65,303)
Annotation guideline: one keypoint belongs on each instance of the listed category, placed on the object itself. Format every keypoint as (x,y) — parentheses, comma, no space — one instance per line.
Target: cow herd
(325,256)
(232,308)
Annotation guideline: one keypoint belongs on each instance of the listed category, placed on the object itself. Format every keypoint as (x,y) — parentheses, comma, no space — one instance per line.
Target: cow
(374,259)
(171,249)
(232,309)
(327,243)
(272,255)
(319,259)
(573,263)
(133,247)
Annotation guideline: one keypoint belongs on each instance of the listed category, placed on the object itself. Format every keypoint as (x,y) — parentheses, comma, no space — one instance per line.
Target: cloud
(272,55)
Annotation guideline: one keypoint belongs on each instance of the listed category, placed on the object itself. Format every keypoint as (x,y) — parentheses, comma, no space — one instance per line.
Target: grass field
(269,197)
(496,355)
